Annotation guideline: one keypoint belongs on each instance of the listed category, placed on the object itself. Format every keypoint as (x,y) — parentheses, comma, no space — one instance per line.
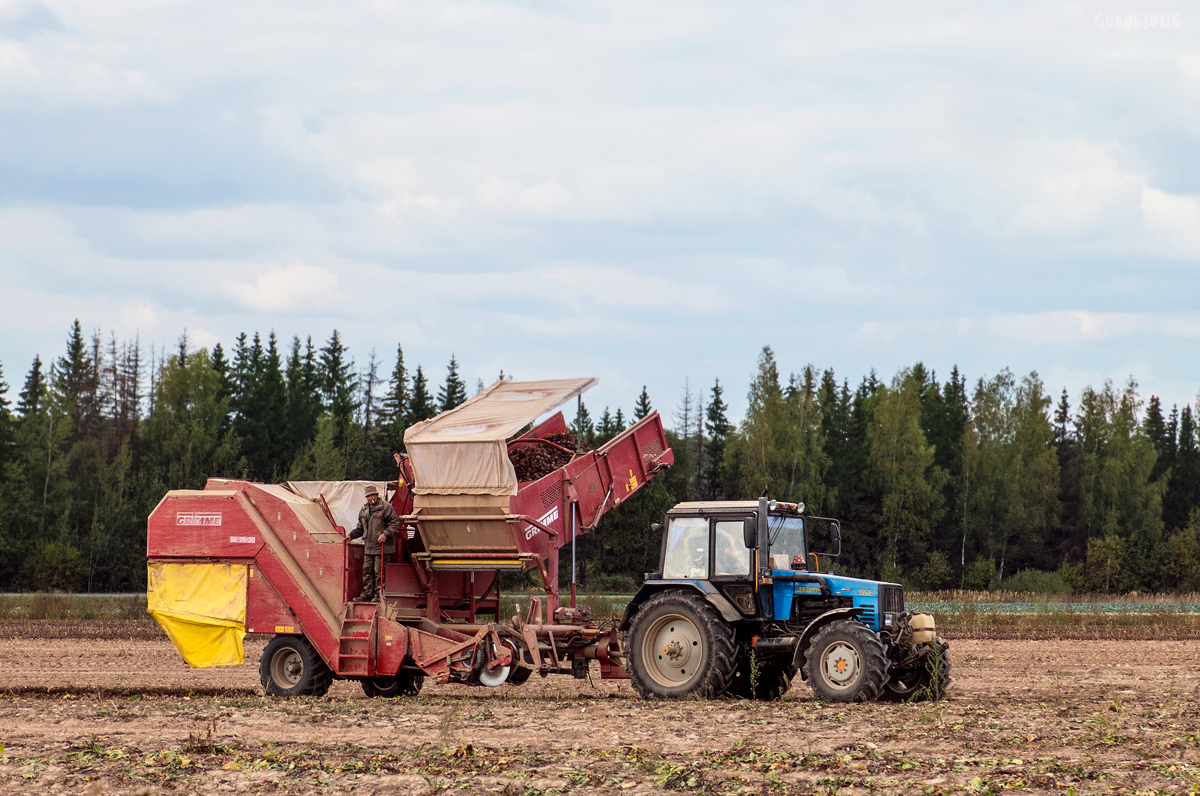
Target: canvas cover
(464,451)
(345,498)
(202,608)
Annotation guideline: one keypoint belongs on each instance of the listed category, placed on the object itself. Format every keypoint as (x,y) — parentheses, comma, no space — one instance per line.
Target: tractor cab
(742,605)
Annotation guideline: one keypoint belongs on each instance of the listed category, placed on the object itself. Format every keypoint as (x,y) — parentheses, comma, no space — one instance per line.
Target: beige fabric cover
(345,498)
(463,451)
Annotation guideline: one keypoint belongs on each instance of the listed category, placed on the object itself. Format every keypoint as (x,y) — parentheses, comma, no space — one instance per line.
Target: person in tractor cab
(378,525)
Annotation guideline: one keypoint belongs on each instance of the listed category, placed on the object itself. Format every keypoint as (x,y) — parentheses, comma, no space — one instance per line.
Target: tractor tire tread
(721,666)
(874,662)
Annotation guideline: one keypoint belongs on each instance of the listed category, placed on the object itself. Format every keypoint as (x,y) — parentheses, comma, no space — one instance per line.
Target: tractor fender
(728,612)
(837,614)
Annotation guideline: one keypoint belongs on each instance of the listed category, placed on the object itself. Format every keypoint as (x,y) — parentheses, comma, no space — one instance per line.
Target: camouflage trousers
(371,569)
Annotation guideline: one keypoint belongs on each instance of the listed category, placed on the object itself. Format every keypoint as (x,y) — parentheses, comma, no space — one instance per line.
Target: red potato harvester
(267,559)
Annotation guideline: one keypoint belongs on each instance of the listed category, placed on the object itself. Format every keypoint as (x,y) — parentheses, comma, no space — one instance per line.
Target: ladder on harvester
(356,640)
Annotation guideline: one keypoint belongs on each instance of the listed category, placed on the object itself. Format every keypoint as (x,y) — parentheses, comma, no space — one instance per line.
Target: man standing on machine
(378,525)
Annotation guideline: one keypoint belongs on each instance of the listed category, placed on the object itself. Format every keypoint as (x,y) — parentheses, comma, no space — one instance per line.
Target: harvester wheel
(845,663)
(680,646)
(773,680)
(519,675)
(927,681)
(291,667)
(404,683)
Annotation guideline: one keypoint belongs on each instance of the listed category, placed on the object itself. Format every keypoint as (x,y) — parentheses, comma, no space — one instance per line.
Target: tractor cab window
(686,548)
(730,556)
(787,542)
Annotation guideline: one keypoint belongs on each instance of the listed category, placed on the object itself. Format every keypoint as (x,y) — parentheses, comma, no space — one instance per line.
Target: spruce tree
(395,409)
(1154,426)
(1183,487)
(220,364)
(337,384)
(582,426)
(303,397)
(454,392)
(421,406)
(6,421)
(242,376)
(606,427)
(642,407)
(717,425)
(71,382)
(33,394)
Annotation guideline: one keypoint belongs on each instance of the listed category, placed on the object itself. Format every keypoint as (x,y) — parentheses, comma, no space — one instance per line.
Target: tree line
(938,484)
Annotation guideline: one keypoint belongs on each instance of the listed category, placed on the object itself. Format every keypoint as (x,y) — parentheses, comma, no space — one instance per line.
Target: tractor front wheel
(928,680)
(845,662)
(291,667)
(678,646)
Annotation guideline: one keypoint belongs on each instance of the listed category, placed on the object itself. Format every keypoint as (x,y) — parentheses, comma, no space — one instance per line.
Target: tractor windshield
(686,548)
(787,542)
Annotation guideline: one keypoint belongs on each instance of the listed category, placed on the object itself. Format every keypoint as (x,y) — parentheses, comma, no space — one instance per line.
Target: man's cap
(371,490)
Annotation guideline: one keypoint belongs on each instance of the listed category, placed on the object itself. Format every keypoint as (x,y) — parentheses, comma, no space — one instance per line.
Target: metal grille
(652,449)
(552,495)
(891,598)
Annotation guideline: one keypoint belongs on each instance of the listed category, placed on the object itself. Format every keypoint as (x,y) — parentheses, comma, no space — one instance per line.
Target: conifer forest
(941,480)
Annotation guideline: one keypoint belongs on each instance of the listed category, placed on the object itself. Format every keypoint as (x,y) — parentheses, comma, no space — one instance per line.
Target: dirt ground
(109,716)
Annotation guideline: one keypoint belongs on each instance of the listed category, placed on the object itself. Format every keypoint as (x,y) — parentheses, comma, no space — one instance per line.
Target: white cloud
(1078,326)
(1173,221)
(878,332)
(287,287)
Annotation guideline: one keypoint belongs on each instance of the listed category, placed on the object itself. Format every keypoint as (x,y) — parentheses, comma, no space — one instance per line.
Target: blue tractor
(735,609)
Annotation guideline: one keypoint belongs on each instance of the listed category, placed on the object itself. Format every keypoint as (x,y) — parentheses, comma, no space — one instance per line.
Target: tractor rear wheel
(680,646)
(926,681)
(291,667)
(769,683)
(403,683)
(845,663)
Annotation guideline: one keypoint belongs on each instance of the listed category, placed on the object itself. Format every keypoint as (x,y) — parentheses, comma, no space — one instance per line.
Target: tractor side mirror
(750,532)
(835,538)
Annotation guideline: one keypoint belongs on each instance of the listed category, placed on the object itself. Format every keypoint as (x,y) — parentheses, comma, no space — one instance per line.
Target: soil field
(125,716)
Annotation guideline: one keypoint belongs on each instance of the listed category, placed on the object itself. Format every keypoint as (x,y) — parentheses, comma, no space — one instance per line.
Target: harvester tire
(404,683)
(774,679)
(927,682)
(291,667)
(679,646)
(519,675)
(845,662)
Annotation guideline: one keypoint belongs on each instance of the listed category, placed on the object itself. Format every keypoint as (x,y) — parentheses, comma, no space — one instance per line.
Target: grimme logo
(547,518)
(198,518)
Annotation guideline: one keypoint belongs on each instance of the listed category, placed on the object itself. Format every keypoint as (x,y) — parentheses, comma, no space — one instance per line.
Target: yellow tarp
(202,608)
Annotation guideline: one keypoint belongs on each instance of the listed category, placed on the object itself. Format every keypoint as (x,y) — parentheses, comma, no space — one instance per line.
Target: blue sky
(646,192)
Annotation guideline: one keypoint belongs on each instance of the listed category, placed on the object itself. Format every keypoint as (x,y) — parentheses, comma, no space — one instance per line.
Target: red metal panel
(190,524)
(391,645)
(312,622)
(545,501)
(322,563)
(555,424)
(266,613)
